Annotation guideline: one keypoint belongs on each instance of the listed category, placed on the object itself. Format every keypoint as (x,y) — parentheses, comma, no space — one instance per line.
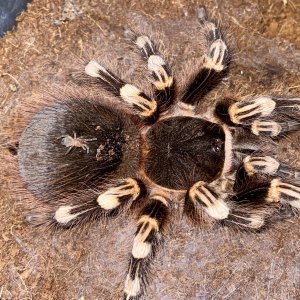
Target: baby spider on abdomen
(77,142)
(143,151)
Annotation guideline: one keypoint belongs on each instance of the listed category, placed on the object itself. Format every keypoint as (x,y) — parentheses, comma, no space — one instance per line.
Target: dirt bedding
(51,36)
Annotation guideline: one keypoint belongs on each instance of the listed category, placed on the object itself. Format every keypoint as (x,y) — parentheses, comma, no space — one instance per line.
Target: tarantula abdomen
(71,144)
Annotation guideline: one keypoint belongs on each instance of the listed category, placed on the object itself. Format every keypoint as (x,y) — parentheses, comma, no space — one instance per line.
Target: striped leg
(264,115)
(161,75)
(137,101)
(263,201)
(215,63)
(280,190)
(270,166)
(203,196)
(254,208)
(151,225)
(233,211)
(284,192)
(118,194)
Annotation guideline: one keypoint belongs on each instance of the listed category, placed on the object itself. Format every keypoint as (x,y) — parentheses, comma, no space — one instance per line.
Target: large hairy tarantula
(74,153)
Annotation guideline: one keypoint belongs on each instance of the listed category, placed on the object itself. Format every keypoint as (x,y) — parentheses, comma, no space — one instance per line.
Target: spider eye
(217,145)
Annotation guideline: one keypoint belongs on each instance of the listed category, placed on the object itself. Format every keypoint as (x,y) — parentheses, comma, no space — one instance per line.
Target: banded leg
(161,75)
(203,196)
(141,104)
(265,199)
(280,190)
(264,115)
(250,209)
(215,63)
(276,191)
(232,211)
(284,192)
(270,166)
(109,203)
(148,237)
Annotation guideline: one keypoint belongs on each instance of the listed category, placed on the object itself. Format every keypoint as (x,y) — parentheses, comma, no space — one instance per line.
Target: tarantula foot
(215,62)
(217,57)
(211,202)
(36,219)
(202,14)
(148,238)
(246,220)
(284,192)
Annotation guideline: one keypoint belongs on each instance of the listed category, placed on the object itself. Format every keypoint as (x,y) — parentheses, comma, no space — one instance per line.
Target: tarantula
(222,166)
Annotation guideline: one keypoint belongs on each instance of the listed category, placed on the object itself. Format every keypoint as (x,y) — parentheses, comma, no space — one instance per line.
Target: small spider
(150,151)
(71,142)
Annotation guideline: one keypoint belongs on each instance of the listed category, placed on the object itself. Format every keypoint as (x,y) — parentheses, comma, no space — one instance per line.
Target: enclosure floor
(217,264)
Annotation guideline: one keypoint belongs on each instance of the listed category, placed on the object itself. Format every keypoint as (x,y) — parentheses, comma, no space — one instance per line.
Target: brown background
(218,264)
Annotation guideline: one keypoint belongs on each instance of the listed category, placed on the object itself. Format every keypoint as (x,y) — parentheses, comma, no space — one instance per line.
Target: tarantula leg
(268,115)
(279,190)
(108,203)
(270,166)
(222,208)
(275,191)
(205,195)
(148,237)
(250,209)
(248,220)
(161,75)
(284,192)
(138,102)
(215,63)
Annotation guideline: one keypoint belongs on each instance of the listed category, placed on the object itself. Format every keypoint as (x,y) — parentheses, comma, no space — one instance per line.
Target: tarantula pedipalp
(224,168)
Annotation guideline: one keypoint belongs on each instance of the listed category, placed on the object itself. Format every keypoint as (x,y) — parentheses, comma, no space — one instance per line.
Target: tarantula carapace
(74,154)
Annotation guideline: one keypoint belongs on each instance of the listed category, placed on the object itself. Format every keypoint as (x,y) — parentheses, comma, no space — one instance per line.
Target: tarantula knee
(243,111)
(284,192)
(270,166)
(261,164)
(246,220)
(211,201)
(272,128)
